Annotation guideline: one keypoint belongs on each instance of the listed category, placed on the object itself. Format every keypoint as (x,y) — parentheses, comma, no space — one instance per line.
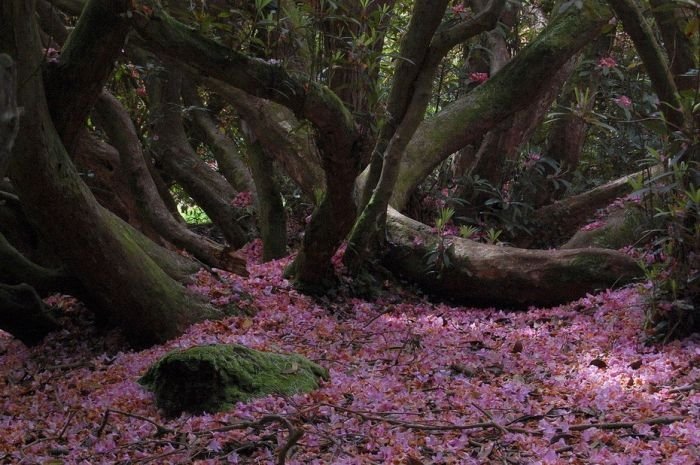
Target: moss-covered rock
(213,378)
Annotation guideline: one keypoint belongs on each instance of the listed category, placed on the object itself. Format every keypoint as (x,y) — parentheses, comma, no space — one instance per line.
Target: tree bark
(116,122)
(512,89)
(126,288)
(229,161)
(177,157)
(492,275)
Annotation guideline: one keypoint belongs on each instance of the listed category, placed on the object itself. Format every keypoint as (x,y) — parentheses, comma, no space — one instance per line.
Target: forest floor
(412,382)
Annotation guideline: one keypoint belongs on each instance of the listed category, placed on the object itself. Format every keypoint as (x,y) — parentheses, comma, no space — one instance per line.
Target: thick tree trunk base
(490,275)
(23,314)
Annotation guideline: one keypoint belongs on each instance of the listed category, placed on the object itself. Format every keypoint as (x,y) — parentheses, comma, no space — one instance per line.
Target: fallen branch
(293,438)
(428,427)
(502,428)
(626,425)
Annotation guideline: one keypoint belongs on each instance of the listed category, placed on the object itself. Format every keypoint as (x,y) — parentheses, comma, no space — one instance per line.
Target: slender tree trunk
(209,189)
(567,134)
(655,62)
(227,156)
(9,114)
(289,141)
(272,218)
(682,54)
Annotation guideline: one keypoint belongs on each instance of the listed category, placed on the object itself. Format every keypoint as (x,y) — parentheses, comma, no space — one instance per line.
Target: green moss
(213,378)
(621,233)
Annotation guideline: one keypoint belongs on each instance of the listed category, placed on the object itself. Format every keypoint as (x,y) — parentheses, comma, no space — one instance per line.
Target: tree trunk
(272,218)
(177,157)
(682,54)
(9,114)
(567,133)
(117,123)
(492,275)
(126,288)
(654,60)
(229,161)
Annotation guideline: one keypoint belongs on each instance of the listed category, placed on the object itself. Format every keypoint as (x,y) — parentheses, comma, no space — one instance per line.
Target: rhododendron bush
(412,382)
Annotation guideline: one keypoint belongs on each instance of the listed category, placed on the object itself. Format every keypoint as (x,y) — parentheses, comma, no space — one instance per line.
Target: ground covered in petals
(411,383)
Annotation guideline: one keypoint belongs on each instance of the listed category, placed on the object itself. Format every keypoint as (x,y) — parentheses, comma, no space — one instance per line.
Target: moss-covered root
(213,378)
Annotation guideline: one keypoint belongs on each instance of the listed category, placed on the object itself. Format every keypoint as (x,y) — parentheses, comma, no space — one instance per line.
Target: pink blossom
(479,77)
(623,101)
(607,63)
(243,199)
(459,9)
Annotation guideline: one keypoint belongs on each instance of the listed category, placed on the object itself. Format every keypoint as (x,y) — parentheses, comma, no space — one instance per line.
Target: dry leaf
(517,347)
(636,364)
(412,460)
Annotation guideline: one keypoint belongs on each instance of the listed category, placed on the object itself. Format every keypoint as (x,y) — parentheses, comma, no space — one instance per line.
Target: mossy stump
(213,378)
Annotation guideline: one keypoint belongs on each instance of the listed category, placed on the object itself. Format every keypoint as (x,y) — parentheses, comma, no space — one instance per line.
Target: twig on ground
(505,429)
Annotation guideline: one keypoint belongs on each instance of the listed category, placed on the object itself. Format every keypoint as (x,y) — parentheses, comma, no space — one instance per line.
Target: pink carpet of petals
(407,377)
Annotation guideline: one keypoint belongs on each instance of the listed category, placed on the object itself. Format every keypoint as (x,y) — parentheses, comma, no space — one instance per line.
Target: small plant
(438,256)
(445,216)
(493,235)
(467,231)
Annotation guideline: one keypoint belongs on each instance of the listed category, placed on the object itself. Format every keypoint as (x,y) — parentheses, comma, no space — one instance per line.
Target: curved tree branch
(513,88)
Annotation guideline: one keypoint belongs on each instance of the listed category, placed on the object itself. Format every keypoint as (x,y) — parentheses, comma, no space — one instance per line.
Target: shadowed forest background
(451,231)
